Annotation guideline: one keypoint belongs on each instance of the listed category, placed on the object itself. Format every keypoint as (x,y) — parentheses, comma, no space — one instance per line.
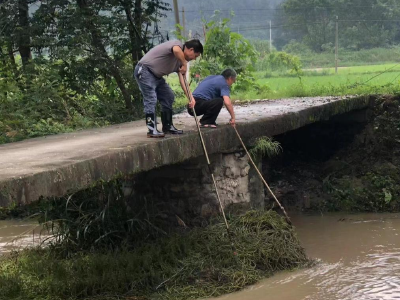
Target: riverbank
(193,264)
(342,167)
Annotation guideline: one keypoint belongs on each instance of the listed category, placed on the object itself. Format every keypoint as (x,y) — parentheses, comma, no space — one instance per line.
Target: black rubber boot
(168,126)
(151,123)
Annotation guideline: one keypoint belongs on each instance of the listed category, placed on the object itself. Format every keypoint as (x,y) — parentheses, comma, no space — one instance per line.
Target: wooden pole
(262,178)
(176,10)
(183,23)
(270,36)
(336,44)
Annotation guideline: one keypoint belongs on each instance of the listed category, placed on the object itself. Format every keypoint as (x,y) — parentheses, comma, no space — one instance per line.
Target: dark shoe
(168,126)
(151,123)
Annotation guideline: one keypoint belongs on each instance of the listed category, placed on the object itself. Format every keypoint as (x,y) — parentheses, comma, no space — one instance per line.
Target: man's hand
(232,122)
(183,69)
(192,103)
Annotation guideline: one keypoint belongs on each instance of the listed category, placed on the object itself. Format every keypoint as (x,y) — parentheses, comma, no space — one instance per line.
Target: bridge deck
(59,164)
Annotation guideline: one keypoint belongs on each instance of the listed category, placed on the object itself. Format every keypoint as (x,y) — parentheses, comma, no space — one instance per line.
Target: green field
(350,58)
(370,79)
(352,80)
(391,67)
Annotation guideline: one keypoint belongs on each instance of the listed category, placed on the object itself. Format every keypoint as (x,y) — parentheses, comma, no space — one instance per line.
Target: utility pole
(183,33)
(336,44)
(270,36)
(176,10)
(183,23)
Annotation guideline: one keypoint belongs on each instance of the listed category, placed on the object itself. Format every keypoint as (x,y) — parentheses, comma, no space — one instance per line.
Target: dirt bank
(333,166)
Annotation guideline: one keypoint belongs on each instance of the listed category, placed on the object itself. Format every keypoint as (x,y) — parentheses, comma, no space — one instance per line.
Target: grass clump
(15,211)
(265,147)
(198,263)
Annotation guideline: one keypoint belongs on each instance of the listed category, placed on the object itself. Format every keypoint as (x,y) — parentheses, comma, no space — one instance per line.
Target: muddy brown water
(18,234)
(359,259)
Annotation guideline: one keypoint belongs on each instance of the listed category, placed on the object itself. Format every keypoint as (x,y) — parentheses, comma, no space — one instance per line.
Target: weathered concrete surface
(187,190)
(58,165)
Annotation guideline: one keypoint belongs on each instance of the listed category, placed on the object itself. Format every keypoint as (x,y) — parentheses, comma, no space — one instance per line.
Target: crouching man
(210,95)
(164,59)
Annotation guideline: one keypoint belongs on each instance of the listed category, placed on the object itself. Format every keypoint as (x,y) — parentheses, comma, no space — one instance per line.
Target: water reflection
(359,260)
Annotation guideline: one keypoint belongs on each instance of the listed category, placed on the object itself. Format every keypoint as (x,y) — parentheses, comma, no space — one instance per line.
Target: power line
(295,9)
(245,14)
(363,83)
(395,78)
(387,70)
(263,27)
(368,20)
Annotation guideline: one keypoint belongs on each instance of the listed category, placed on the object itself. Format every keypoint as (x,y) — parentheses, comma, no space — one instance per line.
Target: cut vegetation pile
(194,264)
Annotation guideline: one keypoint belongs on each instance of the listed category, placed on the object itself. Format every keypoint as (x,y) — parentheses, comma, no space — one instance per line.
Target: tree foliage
(363,24)
(224,48)
(68,61)
(229,48)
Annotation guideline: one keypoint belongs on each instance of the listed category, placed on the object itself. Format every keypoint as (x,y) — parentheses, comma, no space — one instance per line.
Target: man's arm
(192,102)
(179,55)
(229,107)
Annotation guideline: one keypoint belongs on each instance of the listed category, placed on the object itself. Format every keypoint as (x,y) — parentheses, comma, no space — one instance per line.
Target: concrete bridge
(65,163)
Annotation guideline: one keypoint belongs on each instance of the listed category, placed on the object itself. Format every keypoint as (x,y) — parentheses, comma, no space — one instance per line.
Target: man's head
(230,76)
(192,49)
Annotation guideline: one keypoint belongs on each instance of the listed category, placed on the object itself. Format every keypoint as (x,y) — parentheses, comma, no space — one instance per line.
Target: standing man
(163,59)
(210,95)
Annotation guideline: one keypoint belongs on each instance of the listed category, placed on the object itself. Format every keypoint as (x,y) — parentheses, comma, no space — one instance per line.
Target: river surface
(17,234)
(359,259)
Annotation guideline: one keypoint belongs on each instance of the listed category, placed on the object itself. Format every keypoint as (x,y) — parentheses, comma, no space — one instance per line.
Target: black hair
(229,73)
(195,44)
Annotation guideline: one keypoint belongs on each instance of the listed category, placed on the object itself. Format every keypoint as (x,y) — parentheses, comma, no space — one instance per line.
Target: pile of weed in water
(199,263)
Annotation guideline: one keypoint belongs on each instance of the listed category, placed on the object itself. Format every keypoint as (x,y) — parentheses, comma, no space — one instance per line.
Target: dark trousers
(153,88)
(210,109)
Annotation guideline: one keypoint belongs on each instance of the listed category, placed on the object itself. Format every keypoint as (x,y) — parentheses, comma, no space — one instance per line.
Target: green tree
(362,23)
(68,60)
(224,48)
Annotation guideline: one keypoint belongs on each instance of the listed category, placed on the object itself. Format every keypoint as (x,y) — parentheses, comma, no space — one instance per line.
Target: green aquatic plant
(266,146)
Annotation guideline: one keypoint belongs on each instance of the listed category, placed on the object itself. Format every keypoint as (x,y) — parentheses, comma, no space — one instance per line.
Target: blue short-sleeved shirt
(212,87)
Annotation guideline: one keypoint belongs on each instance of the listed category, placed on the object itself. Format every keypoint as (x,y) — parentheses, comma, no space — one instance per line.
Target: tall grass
(199,263)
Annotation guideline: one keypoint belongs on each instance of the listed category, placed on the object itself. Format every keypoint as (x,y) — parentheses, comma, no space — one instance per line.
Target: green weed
(199,263)
(265,147)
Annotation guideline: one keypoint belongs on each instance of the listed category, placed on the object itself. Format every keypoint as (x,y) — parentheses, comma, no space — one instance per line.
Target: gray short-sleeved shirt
(161,59)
